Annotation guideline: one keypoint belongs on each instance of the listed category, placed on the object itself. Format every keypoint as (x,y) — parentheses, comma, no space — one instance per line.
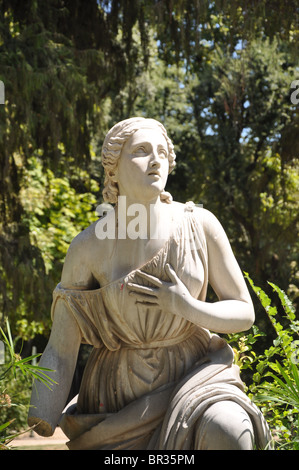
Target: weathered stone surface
(134,286)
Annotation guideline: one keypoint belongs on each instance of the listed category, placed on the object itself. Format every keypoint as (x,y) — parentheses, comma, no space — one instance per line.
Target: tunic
(151,374)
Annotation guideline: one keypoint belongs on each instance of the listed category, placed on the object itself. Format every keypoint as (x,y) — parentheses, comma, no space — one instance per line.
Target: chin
(152,193)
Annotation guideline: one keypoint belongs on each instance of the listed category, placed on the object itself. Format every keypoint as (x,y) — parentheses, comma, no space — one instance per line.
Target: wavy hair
(112,147)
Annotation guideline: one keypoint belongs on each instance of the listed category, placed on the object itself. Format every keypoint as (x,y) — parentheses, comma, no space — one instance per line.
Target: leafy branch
(277,379)
(27,369)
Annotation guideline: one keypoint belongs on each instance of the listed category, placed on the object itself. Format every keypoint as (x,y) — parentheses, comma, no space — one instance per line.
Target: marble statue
(134,287)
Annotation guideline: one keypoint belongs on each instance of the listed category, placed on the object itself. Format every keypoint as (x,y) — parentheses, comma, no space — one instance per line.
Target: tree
(229,117)
(243,111)
(71,69)
(56,78)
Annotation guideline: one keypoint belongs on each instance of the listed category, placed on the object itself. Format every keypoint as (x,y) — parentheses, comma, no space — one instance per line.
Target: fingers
(137,288)
(154,280)
(143,295)
(144,299)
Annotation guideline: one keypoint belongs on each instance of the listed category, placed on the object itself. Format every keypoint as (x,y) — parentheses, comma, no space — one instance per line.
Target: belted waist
(162,343)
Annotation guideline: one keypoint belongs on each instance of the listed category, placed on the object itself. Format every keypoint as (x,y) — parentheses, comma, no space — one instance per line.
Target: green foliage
(230,116)
(56,77)
(54,211)
(275,383)
(16,375)
(243,171)
(217,74)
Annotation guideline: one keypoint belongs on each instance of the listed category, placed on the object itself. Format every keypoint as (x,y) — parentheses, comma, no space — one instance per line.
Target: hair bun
(165,196)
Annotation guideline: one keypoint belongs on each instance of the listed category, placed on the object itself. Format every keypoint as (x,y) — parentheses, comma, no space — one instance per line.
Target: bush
(16,376)
(275,383)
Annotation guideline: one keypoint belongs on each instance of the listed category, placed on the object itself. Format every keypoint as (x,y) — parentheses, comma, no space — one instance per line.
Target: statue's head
(112,150)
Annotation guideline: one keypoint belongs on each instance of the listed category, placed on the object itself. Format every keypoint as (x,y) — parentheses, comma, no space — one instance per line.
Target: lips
(157,173)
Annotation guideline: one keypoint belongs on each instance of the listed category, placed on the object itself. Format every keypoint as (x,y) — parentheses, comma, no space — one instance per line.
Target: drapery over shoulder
(151,374)
(89,311)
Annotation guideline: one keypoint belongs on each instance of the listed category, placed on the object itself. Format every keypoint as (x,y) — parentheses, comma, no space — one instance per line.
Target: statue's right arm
(62,349)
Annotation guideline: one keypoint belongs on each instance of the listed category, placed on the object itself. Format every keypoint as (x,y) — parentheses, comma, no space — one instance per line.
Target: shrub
(275,383)
(16,375)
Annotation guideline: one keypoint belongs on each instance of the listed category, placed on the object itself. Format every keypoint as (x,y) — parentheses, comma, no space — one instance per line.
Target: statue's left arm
(233,312)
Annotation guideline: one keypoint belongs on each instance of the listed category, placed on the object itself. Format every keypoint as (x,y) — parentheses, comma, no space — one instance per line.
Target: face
(143,166)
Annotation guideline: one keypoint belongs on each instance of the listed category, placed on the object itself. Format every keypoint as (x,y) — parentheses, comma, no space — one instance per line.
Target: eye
(162,152)
(140,149)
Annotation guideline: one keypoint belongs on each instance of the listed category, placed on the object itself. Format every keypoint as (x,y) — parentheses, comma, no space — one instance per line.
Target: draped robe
(151,374)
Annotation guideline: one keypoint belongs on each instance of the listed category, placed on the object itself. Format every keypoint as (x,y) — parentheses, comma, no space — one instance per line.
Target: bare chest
(117,258)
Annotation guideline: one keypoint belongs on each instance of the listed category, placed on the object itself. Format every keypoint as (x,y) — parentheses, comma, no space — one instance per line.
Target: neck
(139,219)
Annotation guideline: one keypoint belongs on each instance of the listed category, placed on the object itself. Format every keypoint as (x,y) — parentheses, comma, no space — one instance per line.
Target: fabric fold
(151,374)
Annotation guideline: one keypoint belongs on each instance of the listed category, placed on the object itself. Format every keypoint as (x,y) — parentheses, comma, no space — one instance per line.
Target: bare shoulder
(77,271)
(210,223)
(175,205)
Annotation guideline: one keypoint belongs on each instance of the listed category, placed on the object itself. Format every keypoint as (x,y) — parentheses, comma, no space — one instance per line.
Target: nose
(155,160)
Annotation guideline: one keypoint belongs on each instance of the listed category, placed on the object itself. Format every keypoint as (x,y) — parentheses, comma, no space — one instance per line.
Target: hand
(170,296)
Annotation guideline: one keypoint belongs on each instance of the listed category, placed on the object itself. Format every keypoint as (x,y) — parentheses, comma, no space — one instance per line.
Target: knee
(225,426)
